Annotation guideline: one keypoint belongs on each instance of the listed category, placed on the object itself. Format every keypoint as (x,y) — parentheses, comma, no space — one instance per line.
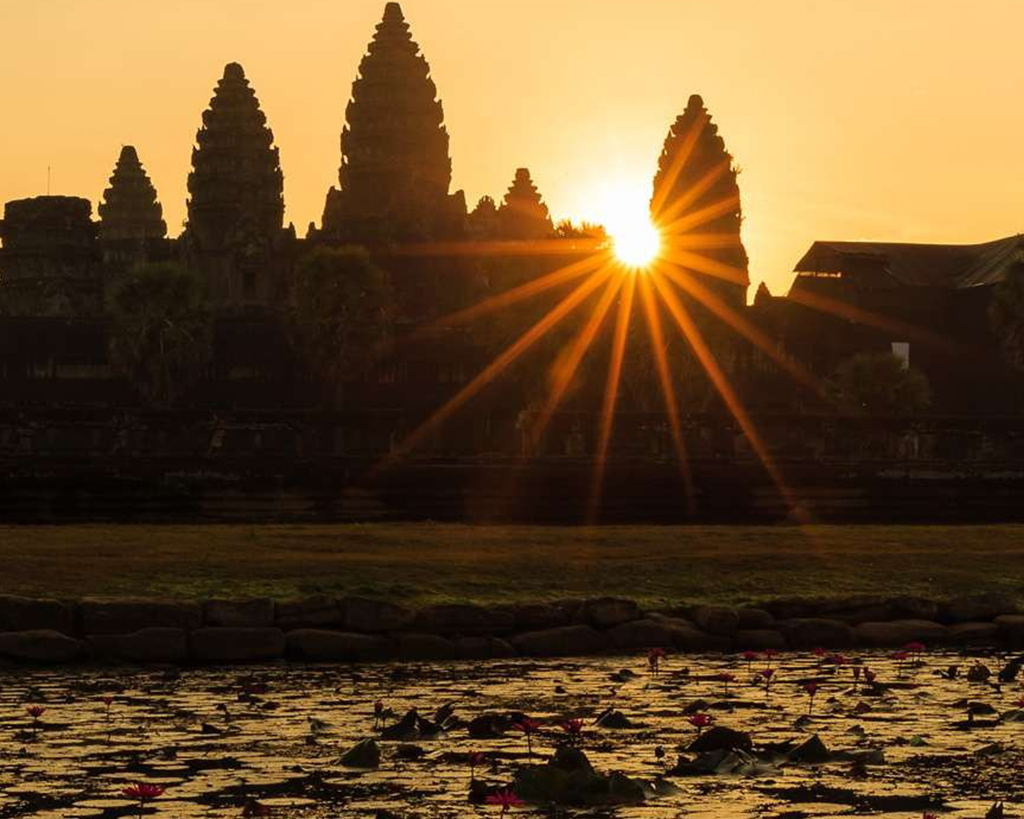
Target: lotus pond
(278,740)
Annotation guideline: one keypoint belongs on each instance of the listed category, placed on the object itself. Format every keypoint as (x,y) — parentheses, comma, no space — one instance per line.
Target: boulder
(100,616)
(566,641)
(788,608)
(256,613)
(755,619)
(368,616)
(716,619)
(147,645)
(758,639)
(899,633)
(320,645)
(1011,626)
(906,607)
(465,620)
(857,609)
(539,616)
(28,614)
(687,637)
(809,632)
(974,634)
(641,634)
(307,612)
(977,607)
(40,645)
(483,648)
(414,646)
(234,645)
(605,612)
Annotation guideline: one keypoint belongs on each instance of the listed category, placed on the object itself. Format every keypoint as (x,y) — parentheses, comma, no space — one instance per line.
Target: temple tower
(696,201)
(236,189)
(395,170)
(49,262)
(130,210)
(523,214)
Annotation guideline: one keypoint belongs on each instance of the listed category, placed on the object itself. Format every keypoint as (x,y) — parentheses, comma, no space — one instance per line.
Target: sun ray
(702,264)
(716,305)
(611,394)
(678,162)
(702,216)
(694,192)
(492,248)
(721,383)
(510,354)
(580,345)
(668,391)
(860,315)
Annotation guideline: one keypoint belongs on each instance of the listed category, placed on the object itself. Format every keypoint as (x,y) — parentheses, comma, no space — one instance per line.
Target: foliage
(878,384)
(343,313)
(161,330)
(1006,313)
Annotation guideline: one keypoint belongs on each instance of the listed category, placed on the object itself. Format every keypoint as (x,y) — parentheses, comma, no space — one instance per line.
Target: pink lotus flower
(35,711)
(750,656)
(725,678)
(811,688)
(869,676)
(475,758)
(529,727)
(700,721)
(654,658)
(108,700)
(819,651)
(914,647)
(506,798)
(572,726)
(143,791)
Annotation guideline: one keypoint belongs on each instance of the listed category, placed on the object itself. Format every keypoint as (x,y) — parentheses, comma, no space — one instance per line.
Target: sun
(636,242)
(621,202)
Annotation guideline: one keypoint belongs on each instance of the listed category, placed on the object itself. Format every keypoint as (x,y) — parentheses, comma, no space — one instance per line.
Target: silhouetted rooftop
(918,265)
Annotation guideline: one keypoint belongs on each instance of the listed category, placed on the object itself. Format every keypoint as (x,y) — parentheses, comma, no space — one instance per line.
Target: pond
(269,740)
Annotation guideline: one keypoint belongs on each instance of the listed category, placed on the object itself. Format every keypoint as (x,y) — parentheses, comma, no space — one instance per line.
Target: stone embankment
(357,629)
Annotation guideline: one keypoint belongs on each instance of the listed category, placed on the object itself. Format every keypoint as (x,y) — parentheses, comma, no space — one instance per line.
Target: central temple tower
(395,168)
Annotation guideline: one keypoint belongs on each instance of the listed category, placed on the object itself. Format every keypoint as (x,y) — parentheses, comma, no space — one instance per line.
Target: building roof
(953,267)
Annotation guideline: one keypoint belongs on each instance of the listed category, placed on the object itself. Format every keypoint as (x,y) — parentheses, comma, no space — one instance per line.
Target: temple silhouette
(63,395)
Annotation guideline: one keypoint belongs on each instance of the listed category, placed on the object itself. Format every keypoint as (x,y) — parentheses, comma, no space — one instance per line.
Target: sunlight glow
(635,241)
(621,202)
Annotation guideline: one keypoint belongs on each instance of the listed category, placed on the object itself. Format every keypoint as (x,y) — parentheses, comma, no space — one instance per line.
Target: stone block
(308,612)
(898,633)
(716,619)
(29,614)
(810,632)
(567,641)
(361,614)
(101,616)
(418,646)
(147,645)
(41,646)
(606,612)
(236,645)
(320,645)
(256,613)
(464,620)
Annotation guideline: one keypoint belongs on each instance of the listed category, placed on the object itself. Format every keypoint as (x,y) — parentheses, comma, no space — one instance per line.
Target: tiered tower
(236,204)
(523,215)
(696,200)
(130,210)
(395,169)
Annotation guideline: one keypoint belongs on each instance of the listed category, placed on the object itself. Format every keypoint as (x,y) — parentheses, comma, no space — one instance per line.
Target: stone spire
(395,169)
(695,192)
(236,184)
(130,210)
(523,215)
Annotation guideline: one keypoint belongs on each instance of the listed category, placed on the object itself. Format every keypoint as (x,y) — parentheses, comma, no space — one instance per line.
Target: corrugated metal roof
(918,265)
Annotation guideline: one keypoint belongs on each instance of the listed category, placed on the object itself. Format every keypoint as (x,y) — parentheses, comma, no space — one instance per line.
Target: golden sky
(851,119)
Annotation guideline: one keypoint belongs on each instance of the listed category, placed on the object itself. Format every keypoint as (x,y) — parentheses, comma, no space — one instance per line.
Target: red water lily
(700,721)
(725,677)
(143,791)
(811,688)
(529,727)
(35,711)
(869,676)
(506,798)
(914,647)
(573,729)
(750,656)
(654,658)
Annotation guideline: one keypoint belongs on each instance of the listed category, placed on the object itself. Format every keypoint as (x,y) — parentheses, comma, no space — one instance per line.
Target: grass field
(420,563)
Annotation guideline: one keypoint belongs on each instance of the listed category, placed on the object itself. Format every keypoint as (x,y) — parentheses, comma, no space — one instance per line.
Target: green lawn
(420,563)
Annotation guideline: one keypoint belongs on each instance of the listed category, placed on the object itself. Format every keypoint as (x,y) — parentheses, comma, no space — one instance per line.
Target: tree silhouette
(343,314)
(878,384)
(160,330)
